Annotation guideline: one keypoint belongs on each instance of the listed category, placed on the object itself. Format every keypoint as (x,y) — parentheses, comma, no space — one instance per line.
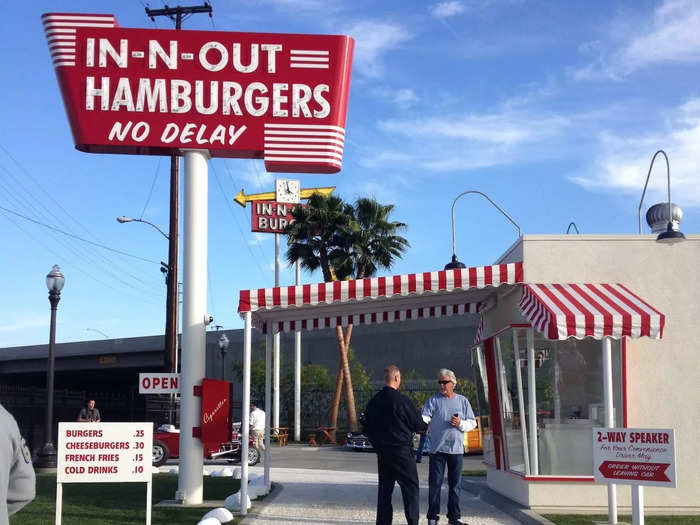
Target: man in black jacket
(390,421)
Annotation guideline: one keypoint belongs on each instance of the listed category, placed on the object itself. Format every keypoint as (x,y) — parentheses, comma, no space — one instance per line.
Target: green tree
(344,241)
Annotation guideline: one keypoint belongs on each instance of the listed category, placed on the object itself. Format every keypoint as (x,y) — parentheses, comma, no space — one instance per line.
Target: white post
(149,492)
(276,405)
(557,396)
(59,502)
(609,419)
(297,373)
(268,403)
(532,403)
(245,413)
(194,270)
(637,505)
(521,402)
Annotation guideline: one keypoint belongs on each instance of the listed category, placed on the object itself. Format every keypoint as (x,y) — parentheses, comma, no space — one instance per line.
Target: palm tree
(345,242)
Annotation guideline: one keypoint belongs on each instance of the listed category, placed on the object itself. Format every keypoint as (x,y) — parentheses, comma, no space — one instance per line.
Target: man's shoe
(456,522)
(432,522)
(418,460)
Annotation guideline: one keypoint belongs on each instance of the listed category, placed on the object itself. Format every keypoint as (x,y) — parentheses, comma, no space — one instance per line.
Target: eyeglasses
(444,382)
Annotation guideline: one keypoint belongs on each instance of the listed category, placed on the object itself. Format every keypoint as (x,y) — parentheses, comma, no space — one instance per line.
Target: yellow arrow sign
(243,199)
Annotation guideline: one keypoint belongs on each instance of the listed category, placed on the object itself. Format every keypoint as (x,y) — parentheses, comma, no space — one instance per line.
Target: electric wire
(153,185)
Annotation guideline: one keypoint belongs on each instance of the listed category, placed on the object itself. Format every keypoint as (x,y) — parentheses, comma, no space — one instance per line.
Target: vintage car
(166,444)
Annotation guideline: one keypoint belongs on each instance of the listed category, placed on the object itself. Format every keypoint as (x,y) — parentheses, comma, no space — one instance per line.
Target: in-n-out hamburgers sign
(282,97)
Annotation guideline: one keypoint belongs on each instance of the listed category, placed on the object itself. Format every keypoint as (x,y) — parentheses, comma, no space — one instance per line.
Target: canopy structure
(375,299)
(561,311)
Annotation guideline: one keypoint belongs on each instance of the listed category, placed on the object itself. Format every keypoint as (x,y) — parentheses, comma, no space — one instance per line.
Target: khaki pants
(259,439)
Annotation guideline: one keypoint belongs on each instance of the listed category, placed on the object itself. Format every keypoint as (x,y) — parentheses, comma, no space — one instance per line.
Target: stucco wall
(662,375)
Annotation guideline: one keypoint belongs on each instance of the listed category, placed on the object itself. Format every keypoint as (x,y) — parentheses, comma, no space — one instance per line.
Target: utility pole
(176,14)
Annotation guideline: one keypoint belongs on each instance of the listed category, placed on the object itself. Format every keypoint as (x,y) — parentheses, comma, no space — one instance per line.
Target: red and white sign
(271,216)
(634,456)
(159,383)
(282,97)
(217,411)
(104,452)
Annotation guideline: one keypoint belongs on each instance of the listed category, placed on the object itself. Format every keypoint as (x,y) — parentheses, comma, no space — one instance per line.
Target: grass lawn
(474,473)
(571,519)
(116,503)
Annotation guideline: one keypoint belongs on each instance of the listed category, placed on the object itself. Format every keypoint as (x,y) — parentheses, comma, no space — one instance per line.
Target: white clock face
(287,190)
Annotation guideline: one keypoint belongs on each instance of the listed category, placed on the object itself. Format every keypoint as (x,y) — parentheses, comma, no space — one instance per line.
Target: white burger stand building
(571,325)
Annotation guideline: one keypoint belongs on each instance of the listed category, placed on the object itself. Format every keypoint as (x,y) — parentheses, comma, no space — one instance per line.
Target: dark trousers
(421,446)
(397,466)
(436,473)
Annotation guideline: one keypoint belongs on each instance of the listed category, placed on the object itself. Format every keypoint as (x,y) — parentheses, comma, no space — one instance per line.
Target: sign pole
(609,419)
(268,406)
(59,502)
(245,414)
(190,482)
(637,505)
(276,387)
(297,373)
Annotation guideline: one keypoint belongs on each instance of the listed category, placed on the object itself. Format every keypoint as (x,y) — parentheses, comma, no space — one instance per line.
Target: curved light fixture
(568,229)
(122,219)
(670,236)
(456,263)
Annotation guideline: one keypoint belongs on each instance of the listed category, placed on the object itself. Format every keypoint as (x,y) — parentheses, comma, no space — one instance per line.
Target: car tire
(160,453)
(253,456)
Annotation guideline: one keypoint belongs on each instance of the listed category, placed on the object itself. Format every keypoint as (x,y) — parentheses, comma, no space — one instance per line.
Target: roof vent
(657,217)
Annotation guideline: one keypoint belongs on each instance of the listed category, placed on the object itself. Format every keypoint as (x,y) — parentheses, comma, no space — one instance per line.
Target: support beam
(190,483)
(532,402)
(521,402)
(609,419)
(268,405)
(245,411)
(297,372)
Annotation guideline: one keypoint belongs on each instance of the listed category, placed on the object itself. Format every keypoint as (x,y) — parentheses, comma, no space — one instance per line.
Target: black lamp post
(456,263)
(46,458)
(223,347)
(671,235)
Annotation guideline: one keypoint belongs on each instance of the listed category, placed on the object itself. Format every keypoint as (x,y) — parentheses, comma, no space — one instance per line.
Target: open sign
(159,383)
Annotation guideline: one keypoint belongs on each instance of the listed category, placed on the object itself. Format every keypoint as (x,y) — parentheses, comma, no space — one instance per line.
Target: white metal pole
(149,497)
(276,387)
(637,505)
(59,502)
(609,419)
(532,402)
(268,403)
(245,413)
(194,302)
(521,402)
(297,373)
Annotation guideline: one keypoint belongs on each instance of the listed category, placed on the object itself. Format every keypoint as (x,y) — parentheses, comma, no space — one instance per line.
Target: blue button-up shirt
(442,436)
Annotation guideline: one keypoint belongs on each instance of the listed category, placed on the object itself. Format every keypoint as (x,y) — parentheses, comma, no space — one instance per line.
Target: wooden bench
(281,434)
(327,435)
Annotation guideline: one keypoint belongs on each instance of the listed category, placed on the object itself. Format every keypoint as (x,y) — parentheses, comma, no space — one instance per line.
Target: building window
(568,401)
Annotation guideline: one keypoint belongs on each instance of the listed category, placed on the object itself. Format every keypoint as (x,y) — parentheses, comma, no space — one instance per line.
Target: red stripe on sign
(626,312)
(662,317)
(321,292)
(292,325)
(374,317)
(427,282)
(548,314)
(412,283)
(610,306)
(381,287)
(563,310)
(385,316)
(276,297)
(442,280)
(306,294)
(488,275)
(472,277)
(261,298)
(457,273)
(336,290)
(397,285)
(304,324)
(588,320)
(292,295)
(503,273)
(244,301)
(645,318)
(352,287)
(421,313)
(409,314)
(592,298)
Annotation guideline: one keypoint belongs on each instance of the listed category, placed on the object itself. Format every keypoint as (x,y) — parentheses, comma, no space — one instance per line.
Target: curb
(255,510)
(517,511)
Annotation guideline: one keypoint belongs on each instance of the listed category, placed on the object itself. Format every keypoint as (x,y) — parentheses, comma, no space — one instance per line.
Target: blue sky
(554,109)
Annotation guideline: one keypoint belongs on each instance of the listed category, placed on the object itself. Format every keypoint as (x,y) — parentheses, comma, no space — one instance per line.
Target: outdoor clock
(287,190)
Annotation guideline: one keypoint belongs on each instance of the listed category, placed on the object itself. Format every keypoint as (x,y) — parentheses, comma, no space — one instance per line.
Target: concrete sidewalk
(304,496)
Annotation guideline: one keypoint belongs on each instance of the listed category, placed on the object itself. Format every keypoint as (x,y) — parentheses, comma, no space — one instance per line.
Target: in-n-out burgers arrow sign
(282,97)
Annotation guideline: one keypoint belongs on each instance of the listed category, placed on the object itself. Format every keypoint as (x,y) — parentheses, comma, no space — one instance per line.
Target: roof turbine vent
(657,217)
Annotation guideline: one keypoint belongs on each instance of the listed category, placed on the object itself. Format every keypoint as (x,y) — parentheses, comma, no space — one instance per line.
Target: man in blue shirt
(449,416)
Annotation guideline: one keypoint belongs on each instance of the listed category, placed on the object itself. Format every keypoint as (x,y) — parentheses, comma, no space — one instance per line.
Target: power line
(78,237)
(153,185)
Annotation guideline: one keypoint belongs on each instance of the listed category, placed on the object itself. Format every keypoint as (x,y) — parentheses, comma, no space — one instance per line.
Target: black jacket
(391,419)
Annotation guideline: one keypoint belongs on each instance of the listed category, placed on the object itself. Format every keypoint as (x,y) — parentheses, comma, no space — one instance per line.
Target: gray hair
(449,373)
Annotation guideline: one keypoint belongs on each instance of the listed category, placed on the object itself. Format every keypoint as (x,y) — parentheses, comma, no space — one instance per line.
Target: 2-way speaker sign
(282,97)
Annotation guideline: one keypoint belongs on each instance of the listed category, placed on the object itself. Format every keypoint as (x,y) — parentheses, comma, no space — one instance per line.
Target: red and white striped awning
(561,311)
(376,299)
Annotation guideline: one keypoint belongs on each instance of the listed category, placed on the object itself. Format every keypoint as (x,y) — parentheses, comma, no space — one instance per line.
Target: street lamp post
(223,347)
(455,263)
(46,458)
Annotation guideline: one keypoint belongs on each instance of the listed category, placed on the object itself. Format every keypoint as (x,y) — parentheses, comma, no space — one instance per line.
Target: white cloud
(623,163)
(259,238)
(372,41)
(447,9)
(671,36)
(403,98)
